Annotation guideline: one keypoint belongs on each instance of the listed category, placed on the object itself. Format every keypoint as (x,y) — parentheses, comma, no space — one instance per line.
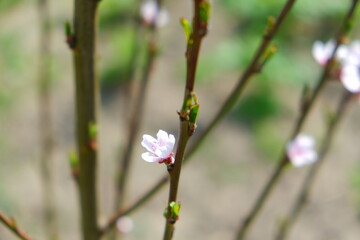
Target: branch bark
(45,121)
(12,226)
(187,124)
(87,95)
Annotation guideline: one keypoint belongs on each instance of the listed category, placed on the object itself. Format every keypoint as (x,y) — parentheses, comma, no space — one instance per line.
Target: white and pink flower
(124,224)
(151,14)
(300,150)
(159,150)
(350,71)
(323,51)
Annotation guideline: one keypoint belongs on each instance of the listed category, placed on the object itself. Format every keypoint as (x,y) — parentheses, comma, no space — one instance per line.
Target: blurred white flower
(350,77)
(159,150)
(350,72)
(124,224)
(322,51)
(152,15)
(301,150)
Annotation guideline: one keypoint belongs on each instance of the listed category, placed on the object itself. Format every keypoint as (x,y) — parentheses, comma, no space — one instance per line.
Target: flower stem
(87,97)
(187,127)
(174,174)
(308,183)
(306,107)
(12,226)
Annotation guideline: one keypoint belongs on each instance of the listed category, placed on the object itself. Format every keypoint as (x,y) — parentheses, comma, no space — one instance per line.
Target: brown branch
(45,121)
(187,125)
(12,226)
(136,116)
(87,95)
(304,193)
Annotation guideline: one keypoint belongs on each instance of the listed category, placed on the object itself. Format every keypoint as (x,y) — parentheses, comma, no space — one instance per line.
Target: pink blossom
(350,72)
(159,150)
(152,15)
(301,150)
(124,224)
(350,77)
(323,51)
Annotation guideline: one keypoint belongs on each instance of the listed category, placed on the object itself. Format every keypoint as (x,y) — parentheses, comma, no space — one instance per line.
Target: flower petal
(307,158)
(149,157)
(350,77)
(301,151)
(149,143)
(124,224)
(149,11)
(162,137)
(305,141)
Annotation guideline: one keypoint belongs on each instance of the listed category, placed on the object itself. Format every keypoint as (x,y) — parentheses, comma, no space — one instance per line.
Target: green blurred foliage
(118,28)
(267,140)
(7,4)
(355,182)
(117,68)
(11,57)
(257,106)
(13,67)
(114,13)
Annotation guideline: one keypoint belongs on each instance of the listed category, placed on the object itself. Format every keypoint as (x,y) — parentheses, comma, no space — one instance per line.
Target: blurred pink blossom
(301,150)
(152,15)
(159,150)
(124,224)
(322,51)
(350,72)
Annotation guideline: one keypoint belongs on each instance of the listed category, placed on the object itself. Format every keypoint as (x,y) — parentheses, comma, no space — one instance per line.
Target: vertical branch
(12,226)
(136,115)
(187,117)
(87,97)
(45,121)
(305,110)
(308,183)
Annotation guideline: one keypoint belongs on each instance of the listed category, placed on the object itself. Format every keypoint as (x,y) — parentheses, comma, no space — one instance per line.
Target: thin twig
(12,226)
(229,103)
(136,116)
(306,107)
(187,125)
(305,191)
(45,121)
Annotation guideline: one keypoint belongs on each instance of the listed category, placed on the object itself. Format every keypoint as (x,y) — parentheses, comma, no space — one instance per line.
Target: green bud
(74,160)
(194,111)
(92,129)
(187,28)
(204,11)
(270,25)
(175,209)
(348,26)
(67,27)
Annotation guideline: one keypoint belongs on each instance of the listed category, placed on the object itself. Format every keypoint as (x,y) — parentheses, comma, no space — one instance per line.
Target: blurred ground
(219,184)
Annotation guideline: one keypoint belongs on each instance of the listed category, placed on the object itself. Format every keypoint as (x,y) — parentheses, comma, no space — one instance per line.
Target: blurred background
(219,185)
